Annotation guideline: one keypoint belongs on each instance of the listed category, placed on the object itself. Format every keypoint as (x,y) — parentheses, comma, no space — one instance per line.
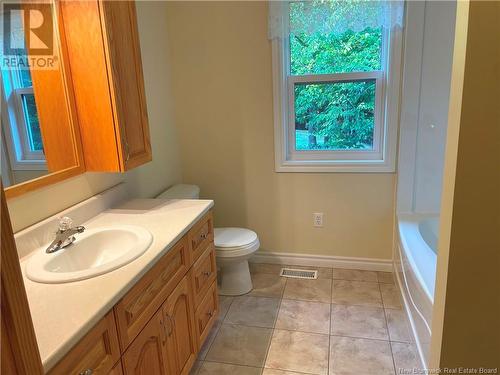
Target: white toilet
(233,247)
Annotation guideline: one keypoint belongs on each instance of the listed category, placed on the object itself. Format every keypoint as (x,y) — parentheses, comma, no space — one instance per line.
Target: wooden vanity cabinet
(104,57)
(159,326)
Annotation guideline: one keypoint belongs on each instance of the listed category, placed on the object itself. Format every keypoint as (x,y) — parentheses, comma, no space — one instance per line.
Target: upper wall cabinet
(105,61)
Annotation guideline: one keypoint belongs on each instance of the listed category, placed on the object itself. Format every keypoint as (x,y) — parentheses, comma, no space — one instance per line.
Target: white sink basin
(95,251)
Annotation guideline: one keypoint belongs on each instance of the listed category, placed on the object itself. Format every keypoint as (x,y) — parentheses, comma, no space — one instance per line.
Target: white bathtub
(415,260)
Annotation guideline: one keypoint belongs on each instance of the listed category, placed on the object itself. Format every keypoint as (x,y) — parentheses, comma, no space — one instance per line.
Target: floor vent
(299,274)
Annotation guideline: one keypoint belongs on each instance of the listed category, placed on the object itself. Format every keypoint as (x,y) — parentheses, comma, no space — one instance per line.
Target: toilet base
(235,278)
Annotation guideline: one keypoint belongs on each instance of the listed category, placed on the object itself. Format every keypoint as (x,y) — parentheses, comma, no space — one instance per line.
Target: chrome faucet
(65,235)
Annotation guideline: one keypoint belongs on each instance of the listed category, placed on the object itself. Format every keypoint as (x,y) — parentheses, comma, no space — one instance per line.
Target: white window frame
(382,157)
(14,124)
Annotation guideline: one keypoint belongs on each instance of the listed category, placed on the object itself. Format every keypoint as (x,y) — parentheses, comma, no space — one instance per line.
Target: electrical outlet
(318,219)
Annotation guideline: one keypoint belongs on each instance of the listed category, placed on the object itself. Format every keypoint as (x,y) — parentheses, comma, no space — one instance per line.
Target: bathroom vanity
(150,316)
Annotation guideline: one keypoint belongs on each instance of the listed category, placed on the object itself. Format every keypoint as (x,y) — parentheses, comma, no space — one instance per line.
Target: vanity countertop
(63,313)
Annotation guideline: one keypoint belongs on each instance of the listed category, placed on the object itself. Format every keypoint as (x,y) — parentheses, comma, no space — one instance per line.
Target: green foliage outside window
(32,122)
(340,115)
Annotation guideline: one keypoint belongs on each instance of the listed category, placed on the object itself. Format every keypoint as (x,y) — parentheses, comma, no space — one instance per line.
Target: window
(336,80)
(20,122)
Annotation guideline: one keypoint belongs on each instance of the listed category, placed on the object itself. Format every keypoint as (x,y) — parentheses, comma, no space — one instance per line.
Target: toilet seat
(235,242)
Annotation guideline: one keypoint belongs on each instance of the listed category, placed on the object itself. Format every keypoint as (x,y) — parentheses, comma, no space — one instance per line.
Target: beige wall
(144,181)
(222,87)
(471,324)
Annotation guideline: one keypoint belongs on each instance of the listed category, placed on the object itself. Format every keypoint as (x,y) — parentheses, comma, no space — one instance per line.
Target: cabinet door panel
(147,354)
(181,335)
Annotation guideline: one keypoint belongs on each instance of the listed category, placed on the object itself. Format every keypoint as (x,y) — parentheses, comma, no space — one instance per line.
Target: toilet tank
(181,191)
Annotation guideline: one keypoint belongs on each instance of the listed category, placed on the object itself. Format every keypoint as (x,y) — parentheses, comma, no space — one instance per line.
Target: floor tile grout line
(388,333)
(317,333)
(233,364)
(330,321)
(274,326)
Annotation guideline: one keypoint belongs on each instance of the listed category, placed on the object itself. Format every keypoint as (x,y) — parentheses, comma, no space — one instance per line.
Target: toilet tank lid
(181,191)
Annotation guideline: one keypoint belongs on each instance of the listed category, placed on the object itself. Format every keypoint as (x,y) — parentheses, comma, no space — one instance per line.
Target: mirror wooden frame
(61,75)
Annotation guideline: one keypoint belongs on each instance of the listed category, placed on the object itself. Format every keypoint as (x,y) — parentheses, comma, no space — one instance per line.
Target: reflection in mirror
(23,157)
(39,134)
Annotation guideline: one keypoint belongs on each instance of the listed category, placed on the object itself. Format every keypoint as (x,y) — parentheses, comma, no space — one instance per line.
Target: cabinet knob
(207,273)
(210,314)
(204,236)
(88,371)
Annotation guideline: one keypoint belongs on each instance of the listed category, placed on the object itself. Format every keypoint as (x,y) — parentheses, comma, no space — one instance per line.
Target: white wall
(222,88)
(145,181)
(424,108)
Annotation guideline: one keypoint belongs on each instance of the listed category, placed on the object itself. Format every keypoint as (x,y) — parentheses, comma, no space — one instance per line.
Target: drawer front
(201,235)
(206,314)
(96,353)
(142,301)
(204,274)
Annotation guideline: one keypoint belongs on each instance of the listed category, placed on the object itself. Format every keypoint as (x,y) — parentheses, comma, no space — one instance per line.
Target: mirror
(39,133)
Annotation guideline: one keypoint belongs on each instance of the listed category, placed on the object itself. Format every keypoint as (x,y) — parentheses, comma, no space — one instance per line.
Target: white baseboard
(369,264)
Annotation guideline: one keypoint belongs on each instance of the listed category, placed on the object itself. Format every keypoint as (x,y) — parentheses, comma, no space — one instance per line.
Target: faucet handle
(65,223)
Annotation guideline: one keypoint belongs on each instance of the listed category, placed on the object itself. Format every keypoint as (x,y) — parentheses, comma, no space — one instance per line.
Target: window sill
(29,165)
(332,166)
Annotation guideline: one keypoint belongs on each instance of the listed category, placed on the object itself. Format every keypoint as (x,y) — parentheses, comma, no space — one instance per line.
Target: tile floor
(347,322)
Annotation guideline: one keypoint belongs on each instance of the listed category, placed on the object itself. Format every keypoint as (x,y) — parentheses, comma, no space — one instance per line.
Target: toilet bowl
(233,247)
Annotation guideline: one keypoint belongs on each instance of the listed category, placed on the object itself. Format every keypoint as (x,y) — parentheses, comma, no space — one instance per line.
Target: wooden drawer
(201,235)
(206,314)
(98,351)
(204,273)
(141,302)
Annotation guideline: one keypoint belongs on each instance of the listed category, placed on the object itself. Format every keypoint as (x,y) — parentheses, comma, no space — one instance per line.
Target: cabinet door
(179,322)
(127,81)
(106,73)
(147,354)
